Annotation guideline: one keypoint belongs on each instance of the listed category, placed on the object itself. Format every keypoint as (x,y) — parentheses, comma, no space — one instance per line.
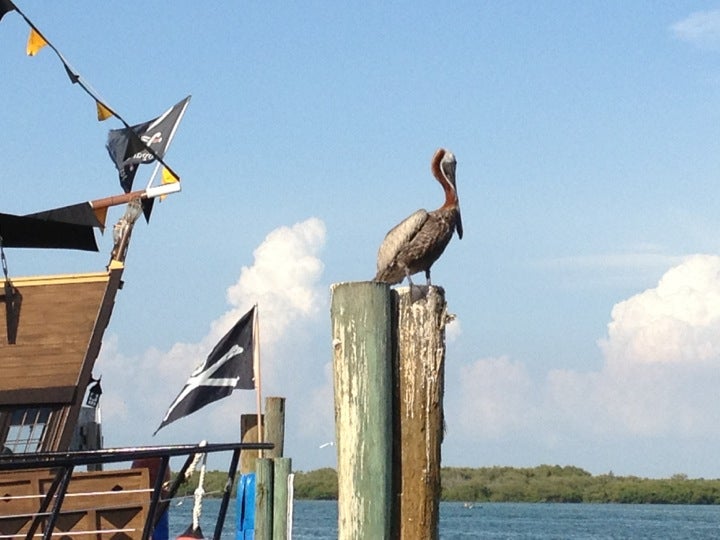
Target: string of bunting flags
(131,145)
(234,363)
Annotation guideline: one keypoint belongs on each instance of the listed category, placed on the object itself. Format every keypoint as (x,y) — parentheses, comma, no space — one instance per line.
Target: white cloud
(701,28)
(677,321)
(284,281)
(658,381)
(662,355)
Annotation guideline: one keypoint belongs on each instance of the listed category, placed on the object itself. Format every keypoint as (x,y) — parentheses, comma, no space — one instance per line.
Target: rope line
(65,511)
(199,491)
(65,533)
(89,494)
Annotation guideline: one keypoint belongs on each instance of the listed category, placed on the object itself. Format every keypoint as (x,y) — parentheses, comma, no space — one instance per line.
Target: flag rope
(256,369)
(4,260)
(199,492)
(75,78)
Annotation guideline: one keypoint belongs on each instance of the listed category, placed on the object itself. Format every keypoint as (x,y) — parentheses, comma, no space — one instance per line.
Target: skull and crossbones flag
(229,366)
(130,147)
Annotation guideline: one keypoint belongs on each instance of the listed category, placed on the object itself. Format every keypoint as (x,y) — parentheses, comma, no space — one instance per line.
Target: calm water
(317,520)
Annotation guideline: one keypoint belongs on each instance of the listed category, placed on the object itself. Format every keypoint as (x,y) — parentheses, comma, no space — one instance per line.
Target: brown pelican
(417,242)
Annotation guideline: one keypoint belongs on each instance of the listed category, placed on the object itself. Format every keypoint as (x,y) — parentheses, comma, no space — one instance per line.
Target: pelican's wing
(398,237)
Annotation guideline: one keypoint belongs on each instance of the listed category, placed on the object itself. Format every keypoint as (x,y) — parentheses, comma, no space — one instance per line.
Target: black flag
(44,232)
(227,367)
(128,147)
(5,6)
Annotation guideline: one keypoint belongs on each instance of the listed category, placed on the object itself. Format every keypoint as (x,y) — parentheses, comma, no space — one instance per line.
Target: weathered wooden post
(361,315)
(263,499)
(418,423)
(281,473)
(274,426)
(249,434)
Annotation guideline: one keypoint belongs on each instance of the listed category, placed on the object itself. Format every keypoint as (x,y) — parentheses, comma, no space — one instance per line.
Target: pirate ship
(51,332)
(53,328)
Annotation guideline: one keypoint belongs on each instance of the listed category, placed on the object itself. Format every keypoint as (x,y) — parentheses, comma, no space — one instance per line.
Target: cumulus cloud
(284,281)
(658,380)
(677,321)
(285,263)
(662,354)
(701,28)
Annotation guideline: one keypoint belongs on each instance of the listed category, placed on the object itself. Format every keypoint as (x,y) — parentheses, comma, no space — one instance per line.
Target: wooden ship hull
(53,328)
(54,337)
(58,326)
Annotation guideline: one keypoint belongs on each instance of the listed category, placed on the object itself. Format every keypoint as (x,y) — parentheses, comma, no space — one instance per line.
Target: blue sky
(586,286)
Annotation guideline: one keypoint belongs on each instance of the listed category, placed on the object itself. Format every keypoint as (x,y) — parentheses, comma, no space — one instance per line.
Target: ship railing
(62,464)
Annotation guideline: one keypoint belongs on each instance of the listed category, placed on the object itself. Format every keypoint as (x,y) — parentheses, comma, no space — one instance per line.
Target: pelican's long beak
(458,225)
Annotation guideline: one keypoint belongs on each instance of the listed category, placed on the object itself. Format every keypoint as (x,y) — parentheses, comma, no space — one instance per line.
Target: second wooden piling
(418,424)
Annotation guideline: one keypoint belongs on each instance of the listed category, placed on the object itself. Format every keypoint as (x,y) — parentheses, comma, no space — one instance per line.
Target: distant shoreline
(542,484)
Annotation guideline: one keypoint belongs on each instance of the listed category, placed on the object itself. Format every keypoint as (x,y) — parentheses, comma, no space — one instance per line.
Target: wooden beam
(38,396)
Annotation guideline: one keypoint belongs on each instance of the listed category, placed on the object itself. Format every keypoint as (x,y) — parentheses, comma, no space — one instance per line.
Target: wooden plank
(56,323)
(60,327)
(95,500)
(38,396)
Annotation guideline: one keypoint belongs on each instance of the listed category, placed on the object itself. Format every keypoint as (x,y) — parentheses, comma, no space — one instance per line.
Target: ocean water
(317,520)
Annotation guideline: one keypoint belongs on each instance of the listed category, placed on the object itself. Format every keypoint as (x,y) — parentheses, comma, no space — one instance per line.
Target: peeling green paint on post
(361,314)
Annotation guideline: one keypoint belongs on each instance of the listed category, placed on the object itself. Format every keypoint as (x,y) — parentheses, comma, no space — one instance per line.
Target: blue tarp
(245,511)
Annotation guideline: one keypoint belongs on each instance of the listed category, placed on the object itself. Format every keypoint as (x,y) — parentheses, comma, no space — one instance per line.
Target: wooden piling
(274,426)
(263,499)
(418,408)
(361,314)
(281,500)
(249,434)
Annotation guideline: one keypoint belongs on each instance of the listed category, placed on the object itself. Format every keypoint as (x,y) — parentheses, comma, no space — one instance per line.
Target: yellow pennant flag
(103,113)
(167,178)
(101,215)
(35,43)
